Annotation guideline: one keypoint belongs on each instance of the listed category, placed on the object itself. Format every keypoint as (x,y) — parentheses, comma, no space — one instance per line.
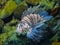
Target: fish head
(22,28)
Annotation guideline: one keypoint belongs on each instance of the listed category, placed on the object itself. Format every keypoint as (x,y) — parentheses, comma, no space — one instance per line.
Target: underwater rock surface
(8,9)
(19,10)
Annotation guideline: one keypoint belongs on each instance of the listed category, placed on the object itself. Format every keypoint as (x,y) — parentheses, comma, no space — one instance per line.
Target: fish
(33,25)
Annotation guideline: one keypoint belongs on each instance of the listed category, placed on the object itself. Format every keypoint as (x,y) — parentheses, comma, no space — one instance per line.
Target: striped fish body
(33,25)
(32,19)
(28,22)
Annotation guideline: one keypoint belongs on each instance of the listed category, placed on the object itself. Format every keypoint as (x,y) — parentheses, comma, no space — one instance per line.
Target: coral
(18,1)
(7,27)
(2,3)
(10,6)
(19,10)
(56,43)
(8,9)
(5,36)
(1,25)
(33,2)
(8,31)
(47,4)
(55,11)
(3,14)
(54,24)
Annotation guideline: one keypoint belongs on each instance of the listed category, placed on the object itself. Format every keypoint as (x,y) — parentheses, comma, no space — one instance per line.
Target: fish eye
(20,25)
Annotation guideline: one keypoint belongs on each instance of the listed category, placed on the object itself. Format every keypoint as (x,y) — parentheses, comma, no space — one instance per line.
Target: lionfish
(33,24)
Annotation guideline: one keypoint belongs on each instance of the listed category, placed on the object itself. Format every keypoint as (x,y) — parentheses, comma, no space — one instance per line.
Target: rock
(33,2)
(8,9)
(19,10)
